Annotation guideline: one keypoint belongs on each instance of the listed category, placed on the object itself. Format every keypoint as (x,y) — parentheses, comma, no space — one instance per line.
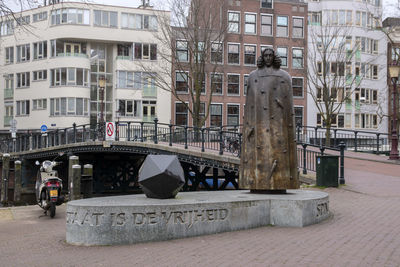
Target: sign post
(13,131)
(110,131)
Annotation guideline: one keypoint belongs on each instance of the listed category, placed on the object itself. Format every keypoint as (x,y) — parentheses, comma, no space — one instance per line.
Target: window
(7,27)
(374,72)
(297,84)
(266,24)
(69,106)
(23,20)
(129,108)
(233,53)
(69,76)
(283,54)
(23,52)
(40,16)
(232,114)
(217,52)
(233,84)
(282,26)
(146,51)
(39,104)
(245,81)
(298,28)
(395,53)
(39,75)
(216,83)
(314,18)
(9,55)
(250,23)
(182,53)
(250,54)
(138,21)
(297,61)
(9,81)
(23,79)
(105,18)
(334,17)
(181,82)
(126,79)
(70,16)
(123,50)
(215,115)
(298,115)
(266,3)
(181,114)
(374,46)
(349,17)
(23,108)
(233,22)
(40,50)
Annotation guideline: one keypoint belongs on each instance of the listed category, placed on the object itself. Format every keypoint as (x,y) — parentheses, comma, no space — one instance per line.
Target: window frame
(235,22)
(244,54)
(278,25)
(302,87)
(238,53)
(261,24)
(293,27)
(293,57)
(237,84)
(250,23)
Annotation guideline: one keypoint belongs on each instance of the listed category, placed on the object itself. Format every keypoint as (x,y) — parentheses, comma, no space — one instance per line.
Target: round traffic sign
(43,128)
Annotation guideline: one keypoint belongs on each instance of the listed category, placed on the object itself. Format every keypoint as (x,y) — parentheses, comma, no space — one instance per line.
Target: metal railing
(355,140)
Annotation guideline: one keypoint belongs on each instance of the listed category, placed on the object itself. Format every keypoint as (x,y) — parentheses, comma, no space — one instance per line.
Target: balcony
(123,58)
(149,118)
(8,93)
(7,121)
(150,92)
(72,55)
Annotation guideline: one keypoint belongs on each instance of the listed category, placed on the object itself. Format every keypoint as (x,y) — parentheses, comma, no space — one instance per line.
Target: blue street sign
(43,128)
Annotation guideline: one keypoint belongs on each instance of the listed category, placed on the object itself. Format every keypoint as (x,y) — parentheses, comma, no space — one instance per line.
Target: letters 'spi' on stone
(161,176)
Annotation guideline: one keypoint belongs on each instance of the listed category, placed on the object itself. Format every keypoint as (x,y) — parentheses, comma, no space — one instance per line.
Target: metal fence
(358,141)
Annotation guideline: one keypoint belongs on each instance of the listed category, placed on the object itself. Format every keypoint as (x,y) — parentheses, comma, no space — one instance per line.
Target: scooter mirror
(37,163)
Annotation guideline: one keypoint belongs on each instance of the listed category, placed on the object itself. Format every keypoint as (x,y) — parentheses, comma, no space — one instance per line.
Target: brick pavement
(363,231)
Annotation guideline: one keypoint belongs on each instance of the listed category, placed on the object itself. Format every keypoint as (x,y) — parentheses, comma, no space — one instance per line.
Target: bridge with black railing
(209,156)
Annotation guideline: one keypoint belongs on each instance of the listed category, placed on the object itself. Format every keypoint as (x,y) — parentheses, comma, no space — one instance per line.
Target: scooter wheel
(52,210)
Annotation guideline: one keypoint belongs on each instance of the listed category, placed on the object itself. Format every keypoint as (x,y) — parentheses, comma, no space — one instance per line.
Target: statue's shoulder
(284,74)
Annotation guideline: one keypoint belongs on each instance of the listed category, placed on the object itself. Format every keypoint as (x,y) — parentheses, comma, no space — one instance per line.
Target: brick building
(252,25)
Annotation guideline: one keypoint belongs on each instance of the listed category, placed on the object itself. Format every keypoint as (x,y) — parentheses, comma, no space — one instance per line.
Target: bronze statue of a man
(268,159)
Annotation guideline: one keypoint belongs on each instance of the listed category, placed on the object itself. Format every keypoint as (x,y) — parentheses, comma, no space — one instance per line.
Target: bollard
(342,146)
(73,160)
(355,141)
(377,143)
(87,180)
(17,181)
(76,182)
(4,178)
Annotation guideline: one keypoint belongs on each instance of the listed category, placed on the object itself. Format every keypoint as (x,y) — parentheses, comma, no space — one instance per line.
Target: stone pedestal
(136,218)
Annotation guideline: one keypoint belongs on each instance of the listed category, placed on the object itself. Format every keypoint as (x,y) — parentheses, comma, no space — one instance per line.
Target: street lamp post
(394,72)
(102,84)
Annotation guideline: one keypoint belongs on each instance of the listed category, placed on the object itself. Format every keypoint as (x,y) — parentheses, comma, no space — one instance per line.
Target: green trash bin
(327,171)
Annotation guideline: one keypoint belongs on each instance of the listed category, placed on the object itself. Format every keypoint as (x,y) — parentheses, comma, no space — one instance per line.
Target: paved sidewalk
(363,231)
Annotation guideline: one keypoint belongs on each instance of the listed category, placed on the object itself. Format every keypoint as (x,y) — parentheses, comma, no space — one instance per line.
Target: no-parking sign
(110,131)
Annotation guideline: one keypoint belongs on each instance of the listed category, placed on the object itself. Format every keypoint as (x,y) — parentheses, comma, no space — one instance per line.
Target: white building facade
(52,64)
(364,71)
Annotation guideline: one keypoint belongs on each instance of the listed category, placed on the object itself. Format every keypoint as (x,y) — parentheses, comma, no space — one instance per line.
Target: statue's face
(268,58)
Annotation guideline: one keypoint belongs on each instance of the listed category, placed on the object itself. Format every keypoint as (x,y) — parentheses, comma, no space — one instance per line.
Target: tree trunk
(328,136)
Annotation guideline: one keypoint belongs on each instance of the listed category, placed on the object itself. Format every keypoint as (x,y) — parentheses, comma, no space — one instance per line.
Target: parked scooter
(48,187)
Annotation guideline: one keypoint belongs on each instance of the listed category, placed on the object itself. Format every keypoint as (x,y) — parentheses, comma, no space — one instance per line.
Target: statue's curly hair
(277,60)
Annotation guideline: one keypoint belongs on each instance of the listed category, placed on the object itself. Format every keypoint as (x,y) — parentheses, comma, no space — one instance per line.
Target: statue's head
(269,59)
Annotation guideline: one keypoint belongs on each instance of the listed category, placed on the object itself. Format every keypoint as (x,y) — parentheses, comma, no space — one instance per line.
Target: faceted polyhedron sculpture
(161,176)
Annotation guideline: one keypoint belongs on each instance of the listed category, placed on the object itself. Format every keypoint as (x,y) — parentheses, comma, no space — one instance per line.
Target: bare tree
(331,79)
(193,42)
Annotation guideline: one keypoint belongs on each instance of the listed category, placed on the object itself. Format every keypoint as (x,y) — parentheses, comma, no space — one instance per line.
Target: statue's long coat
(268,159)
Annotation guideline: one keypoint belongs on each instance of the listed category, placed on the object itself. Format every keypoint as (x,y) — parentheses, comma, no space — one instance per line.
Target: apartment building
(393,57)
(52,59)
(353,27)
(252,26)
